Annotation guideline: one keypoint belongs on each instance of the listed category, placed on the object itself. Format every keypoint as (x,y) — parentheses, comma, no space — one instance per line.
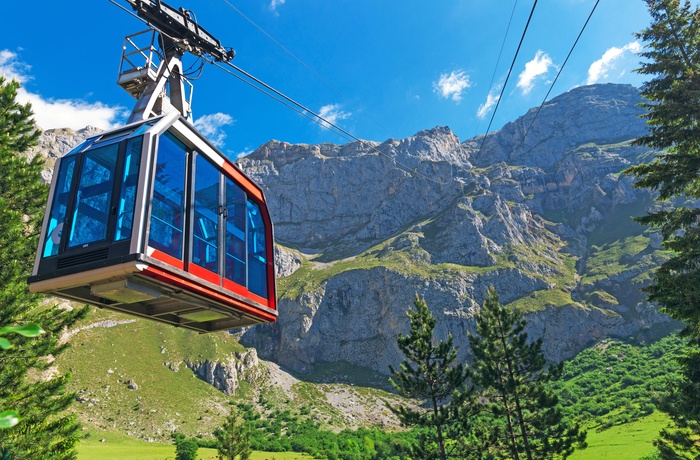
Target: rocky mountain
(540,210)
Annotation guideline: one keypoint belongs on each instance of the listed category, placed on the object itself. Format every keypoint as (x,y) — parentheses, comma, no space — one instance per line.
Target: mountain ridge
(446,220)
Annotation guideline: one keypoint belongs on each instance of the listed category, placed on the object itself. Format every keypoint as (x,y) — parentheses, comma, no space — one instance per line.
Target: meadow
(134,449)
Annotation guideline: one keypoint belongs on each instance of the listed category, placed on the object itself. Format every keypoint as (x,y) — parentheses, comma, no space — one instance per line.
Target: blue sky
(379,69)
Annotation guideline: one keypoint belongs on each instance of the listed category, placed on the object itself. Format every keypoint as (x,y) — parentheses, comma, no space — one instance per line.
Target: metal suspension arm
(179,27)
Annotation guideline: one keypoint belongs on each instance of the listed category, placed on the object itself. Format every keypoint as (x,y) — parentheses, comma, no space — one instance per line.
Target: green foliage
(683,403)
(10,418)
(233,439)
(655,455)
(615,383)
(672,113)
(283,431)
(45,431)
(27,330)
(516,389)
(430,374)
(672,60)
(185,448)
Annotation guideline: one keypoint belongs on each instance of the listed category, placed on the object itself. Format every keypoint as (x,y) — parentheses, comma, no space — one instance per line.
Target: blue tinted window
(205,245)
(94,196)
(127,197)
(257,257)
(235,233)
(58,207)
(168,197)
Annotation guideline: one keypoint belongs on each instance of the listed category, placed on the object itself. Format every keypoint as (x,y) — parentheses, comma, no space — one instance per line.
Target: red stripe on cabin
(271,287)
(190,286)
(249,186)
(270,253)
(241,290)
(168,259)
(205,274)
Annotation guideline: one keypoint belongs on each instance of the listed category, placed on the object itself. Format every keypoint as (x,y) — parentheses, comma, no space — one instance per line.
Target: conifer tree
(45,431)
(233,439)
(185,448)
(514,387)
(680,440)
(431,374)
(672,61)
(673,119)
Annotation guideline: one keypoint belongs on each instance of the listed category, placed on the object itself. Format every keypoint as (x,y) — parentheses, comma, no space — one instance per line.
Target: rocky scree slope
(544,218)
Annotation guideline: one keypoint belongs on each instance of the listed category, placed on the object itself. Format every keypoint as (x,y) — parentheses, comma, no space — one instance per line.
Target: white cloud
(275,3)
(452,86)
(74,114)
(610,62)
(243,153)
(58,113)
(485,108)
(11,68)
(537,67)
(211,127)
(332,113)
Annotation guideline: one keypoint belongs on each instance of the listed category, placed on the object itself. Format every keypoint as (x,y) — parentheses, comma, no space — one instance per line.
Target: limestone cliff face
(544,218)
(346,197)
(596,114)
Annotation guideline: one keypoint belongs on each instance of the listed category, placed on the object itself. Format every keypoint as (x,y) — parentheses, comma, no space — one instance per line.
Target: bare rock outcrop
(225,375)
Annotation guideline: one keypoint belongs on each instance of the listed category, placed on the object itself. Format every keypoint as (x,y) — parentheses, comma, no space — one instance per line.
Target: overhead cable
(532,122)
(310,114)
(498,60)
(300,61)
(510,70)
(292,104)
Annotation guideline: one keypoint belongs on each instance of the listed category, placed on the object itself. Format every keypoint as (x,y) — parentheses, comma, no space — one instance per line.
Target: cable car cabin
(152,220)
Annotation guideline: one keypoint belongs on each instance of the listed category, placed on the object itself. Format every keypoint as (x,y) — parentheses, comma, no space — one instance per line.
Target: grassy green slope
(110,351)
(609,388)
(623,442)
(104,360)
(411,262)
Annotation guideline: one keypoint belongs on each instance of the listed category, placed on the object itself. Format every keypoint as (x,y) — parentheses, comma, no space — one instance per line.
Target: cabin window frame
(171,220)
(196,159)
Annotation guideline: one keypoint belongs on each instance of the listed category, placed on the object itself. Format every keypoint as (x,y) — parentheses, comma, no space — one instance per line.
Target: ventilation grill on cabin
(80,259)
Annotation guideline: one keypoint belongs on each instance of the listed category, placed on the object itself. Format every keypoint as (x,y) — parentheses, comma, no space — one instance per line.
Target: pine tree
(680,441)
(673,118)
(431,374)
(672,54)
(514,388)
(45,430)
(185,448)
(233,439)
